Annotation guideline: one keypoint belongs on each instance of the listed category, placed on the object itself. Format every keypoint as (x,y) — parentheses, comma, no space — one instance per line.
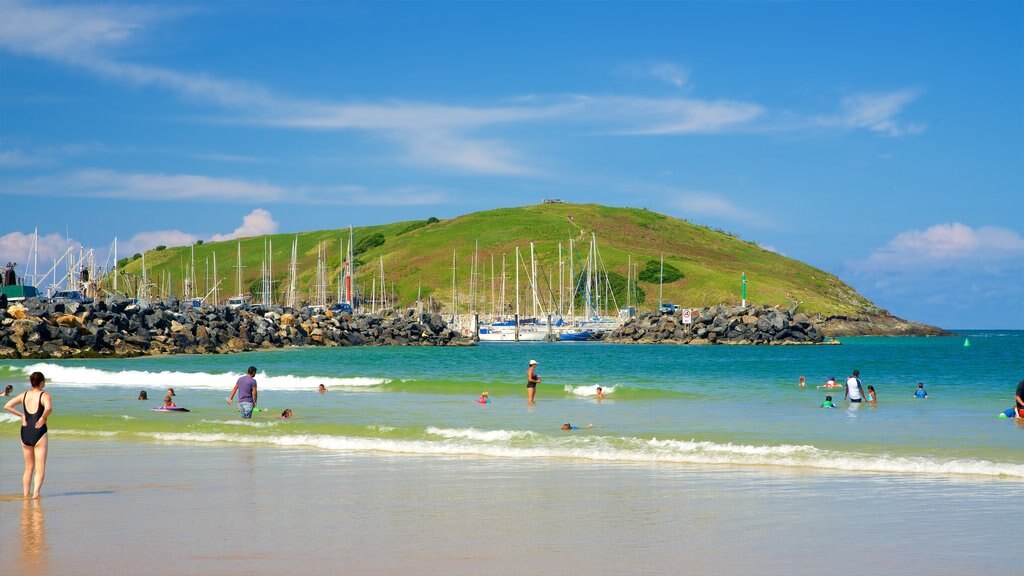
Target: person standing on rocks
(245,387)
(532,379)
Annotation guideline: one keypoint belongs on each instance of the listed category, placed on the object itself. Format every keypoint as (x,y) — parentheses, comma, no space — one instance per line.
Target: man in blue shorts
(245,387)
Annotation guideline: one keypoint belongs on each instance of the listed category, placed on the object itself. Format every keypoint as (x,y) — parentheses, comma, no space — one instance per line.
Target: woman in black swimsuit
(33,431)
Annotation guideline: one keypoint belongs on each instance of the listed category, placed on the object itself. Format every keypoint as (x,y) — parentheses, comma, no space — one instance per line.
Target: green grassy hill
(418,257)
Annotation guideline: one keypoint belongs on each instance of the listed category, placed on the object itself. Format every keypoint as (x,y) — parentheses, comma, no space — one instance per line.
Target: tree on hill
(652,273)
(368,243)
(618,284)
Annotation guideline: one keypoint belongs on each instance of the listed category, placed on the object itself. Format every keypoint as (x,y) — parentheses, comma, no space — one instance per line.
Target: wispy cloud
(652,116)
(667,72)
(142,186)
(946,246)
(110,184)
(452,137)
(875,112)
(706,204)
(144,241)
(17,158)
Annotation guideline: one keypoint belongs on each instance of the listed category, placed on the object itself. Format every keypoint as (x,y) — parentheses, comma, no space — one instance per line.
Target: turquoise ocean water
(720,405)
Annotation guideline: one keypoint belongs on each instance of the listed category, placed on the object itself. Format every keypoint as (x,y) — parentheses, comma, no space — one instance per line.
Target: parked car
(70,296)
(238,303)
(667,308)
(341,307)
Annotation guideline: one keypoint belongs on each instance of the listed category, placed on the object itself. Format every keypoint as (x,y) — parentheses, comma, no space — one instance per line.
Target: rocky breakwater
(122,329)
(721,325)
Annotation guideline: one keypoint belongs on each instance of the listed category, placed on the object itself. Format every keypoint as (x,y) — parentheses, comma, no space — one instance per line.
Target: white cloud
(157,187)
(713,205)
(144,241)
(449,137)
(140,186)
(947,245)
(662,116)
(875,112)
(256,223)
(17,247)
(670,74)
(666,72)
(17,158)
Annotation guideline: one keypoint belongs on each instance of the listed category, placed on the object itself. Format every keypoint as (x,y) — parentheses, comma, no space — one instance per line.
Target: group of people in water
(855,392)
(37,405)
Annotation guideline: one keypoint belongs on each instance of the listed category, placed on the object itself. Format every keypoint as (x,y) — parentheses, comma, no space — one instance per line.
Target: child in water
(600,393)
(871,395)
(168,403)
(920,391)
(287,413)
(483,399)
(828,403)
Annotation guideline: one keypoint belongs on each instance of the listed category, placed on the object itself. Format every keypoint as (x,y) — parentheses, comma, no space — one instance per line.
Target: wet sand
(129,508)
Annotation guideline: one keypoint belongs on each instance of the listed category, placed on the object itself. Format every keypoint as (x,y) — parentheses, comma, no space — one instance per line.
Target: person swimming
(287,413)
(322,389)
(168,402)
(483,399)
(143,395)
(828,403)
(831,383)
(568,426)
(600,393)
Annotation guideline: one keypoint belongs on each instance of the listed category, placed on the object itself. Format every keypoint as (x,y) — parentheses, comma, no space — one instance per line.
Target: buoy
(967,343)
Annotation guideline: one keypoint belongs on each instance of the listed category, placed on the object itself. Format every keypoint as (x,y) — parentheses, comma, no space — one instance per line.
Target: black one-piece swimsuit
(30,435)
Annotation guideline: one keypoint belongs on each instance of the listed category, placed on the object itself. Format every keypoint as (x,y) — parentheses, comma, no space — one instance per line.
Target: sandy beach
(129,508)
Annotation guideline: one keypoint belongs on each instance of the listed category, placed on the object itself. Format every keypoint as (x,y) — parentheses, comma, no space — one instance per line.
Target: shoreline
(198,510)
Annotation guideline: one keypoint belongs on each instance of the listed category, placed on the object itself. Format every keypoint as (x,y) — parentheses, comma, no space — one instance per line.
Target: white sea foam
(480,435)
(246,423)
(81,377)
(6,416)
(632,450)
(589,391)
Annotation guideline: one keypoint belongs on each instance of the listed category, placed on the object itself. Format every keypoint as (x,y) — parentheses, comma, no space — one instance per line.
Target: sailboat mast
(661,279)
(503,276)
(238,283)
(517,286)
(533,280)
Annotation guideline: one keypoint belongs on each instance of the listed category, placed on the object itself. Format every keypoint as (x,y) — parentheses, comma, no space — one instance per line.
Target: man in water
(920,393)
(246,389)
(1020,399)
(532,378)
(854,390)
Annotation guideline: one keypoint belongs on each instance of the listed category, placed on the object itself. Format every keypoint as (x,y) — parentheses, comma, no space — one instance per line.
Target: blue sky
(882,142)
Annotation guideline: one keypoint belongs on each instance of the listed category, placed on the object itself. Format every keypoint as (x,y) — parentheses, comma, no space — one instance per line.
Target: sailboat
(241,301)
(592,325)
(516,330)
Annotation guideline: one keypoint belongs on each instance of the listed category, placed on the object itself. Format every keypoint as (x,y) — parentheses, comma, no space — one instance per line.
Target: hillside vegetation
(705,266)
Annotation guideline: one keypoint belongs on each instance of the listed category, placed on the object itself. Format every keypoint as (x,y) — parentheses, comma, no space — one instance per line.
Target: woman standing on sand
(37,407)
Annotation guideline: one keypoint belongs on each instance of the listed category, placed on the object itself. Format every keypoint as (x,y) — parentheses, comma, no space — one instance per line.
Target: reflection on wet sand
(34,557)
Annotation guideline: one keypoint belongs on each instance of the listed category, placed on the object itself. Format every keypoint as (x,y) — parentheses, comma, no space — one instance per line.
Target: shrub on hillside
(653,274)
(369,242)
